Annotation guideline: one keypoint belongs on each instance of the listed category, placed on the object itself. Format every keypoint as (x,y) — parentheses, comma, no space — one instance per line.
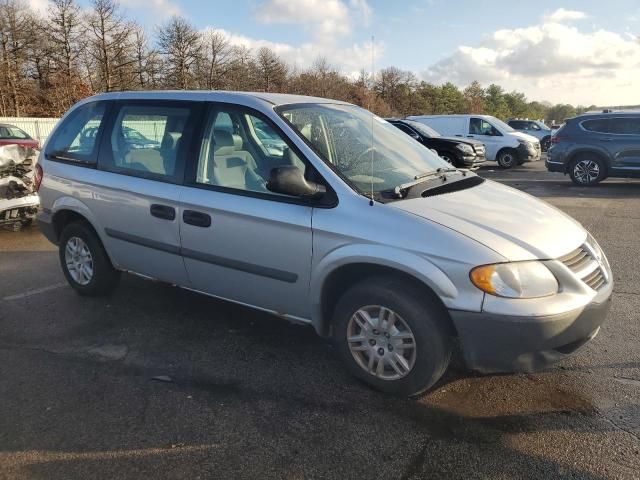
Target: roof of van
(214,95)
(458,115)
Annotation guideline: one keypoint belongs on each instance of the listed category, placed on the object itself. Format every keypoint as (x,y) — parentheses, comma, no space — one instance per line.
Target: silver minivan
(320,212)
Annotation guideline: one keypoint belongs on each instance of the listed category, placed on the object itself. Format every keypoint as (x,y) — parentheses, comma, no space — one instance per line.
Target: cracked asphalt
(157,382)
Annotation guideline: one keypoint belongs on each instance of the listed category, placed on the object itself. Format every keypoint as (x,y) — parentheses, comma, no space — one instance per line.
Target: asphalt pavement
(158,382)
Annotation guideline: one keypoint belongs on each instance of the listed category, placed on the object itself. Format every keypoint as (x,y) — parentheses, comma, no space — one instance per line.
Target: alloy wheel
(78,260)
(586,171)
(381,342)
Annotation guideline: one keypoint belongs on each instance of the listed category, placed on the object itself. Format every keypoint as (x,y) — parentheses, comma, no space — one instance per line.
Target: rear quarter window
(599,125)
(76,138)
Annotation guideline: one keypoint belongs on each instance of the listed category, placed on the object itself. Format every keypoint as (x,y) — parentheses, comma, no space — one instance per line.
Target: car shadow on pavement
(158,381)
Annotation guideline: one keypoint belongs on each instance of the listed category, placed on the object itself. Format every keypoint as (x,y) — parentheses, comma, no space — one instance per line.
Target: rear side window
(76,138)
(625,125)
(517,124)
(146,140)
(600,125)
(13,133)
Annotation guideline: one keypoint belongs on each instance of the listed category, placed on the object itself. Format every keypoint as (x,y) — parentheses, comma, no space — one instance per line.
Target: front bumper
(502,343)
(472,161)
(529,154)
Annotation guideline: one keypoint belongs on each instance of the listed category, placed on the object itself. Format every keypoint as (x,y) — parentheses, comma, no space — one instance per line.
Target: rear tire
(507,158)
(382,319)
(587,170)
(84,261)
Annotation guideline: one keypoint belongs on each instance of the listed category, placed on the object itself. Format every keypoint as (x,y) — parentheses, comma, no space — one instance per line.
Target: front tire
(448,157)
(507,158)
(84,261)
(391,336)
(587,170)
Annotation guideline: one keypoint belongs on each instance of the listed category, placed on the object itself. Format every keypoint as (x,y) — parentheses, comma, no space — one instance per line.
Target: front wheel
(507,158)
(448,157)
(391,336)
(587,170)
(84,261)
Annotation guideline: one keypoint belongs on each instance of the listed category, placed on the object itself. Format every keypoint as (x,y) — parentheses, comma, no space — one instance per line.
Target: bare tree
(179,42)
(65,29)
(216,60)
(16,37)
(111,45)
(271,71)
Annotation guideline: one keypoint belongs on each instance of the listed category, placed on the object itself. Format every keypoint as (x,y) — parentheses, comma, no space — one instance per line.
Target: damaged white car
(18,198)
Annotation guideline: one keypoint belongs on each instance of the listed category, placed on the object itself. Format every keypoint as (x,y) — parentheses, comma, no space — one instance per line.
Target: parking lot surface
(159,382)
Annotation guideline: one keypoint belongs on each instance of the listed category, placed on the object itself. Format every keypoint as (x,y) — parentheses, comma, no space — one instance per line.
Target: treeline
(48,62)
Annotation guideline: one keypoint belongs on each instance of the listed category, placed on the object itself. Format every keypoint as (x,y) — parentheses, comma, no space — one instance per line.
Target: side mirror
(290,180)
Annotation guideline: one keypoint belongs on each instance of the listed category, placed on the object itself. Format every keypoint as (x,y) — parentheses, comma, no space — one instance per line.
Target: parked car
(534,128)
(18,200)
(592,147)
(464,153)
(355,229)
(502,143)
(12,135)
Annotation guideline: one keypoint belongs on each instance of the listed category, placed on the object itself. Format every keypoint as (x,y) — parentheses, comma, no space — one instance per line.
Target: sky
(562,51)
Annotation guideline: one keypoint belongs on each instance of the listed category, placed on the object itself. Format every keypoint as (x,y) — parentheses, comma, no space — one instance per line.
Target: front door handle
(197,219)
(164,212)
(606,139)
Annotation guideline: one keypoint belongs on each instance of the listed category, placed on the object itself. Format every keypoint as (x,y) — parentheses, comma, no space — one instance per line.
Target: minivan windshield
(370,152)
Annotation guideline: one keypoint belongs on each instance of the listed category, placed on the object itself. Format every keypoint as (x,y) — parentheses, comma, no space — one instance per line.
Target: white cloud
(325,19)
(40,6)
(550,61)
(562,15)
(349,59)
(155,8)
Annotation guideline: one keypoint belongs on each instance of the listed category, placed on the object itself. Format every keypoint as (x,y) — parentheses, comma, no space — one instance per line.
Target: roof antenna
(370,105)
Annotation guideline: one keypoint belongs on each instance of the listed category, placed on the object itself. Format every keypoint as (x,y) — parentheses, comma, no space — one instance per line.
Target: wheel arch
(582,151)
(330,282)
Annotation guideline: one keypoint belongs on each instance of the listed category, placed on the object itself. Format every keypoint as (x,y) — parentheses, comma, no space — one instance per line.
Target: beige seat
(230,167)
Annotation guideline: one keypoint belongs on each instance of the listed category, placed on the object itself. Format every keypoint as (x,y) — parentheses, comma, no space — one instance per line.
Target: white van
(503,144)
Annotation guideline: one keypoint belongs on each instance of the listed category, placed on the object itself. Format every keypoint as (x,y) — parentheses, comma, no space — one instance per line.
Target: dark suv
(460,152)
(592,147)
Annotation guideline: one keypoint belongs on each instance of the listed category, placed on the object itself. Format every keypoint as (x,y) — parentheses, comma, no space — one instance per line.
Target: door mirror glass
(289,180)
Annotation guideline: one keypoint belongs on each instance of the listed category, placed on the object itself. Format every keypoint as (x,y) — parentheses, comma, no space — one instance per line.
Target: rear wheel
(587,170)
(392,337)
(507,158)
(84,261)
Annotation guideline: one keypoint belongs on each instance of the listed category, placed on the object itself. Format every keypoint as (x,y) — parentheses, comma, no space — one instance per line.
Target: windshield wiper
(404,187)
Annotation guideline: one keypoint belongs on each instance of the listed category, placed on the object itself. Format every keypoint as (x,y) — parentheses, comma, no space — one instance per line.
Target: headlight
(515,280)
(463,147)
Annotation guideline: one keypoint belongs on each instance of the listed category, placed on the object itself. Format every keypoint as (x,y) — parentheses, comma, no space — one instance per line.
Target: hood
(524,136)
(510,222)
(468,141)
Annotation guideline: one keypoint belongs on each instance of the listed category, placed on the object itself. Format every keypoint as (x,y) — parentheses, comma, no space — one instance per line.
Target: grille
(582,262)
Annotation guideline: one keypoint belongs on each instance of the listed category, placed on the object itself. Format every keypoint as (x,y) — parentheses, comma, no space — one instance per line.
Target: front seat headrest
(170,140)
(223,142)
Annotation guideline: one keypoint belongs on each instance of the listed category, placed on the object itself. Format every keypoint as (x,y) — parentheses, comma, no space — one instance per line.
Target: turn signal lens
(37,177)
(515,280)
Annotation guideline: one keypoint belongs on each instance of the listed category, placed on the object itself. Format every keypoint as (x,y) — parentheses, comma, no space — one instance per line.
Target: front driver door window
(256,248)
